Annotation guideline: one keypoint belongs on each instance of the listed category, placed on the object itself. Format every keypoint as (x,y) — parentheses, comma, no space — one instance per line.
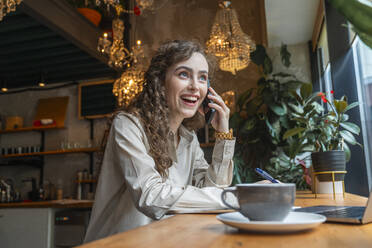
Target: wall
(57,167)
(300,61)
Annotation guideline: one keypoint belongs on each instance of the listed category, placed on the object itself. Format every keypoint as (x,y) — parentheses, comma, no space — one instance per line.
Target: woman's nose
(193,83)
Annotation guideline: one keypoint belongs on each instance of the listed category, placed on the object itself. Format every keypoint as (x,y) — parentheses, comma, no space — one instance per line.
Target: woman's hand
(220,121)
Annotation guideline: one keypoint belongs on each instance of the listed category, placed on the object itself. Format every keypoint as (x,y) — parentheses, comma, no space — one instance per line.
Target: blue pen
(266,175)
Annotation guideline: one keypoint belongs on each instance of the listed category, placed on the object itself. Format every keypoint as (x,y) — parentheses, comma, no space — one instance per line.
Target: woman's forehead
(196,62)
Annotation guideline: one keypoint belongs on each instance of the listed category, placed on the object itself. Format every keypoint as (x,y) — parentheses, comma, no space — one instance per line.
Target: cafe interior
(66,65)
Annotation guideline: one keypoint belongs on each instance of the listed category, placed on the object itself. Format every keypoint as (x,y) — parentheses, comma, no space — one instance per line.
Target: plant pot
(329,161)
(92,15)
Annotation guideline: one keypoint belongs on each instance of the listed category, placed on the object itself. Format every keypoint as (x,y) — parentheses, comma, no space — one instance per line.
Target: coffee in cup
(263,202)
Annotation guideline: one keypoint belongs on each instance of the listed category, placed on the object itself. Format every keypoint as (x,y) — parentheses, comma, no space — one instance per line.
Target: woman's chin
(188,113)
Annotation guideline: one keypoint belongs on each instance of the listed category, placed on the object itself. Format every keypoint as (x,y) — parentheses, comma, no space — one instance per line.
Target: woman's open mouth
(189,100)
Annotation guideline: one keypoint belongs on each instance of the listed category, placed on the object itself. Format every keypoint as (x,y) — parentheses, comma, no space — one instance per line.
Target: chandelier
(130,84)
(7,6)
(118,54)
(228,42)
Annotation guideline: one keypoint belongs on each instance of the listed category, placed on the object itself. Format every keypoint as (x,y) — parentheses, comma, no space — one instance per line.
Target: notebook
(343,214)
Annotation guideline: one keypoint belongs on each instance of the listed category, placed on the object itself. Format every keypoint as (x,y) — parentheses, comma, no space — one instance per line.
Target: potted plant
(262,118)
(88,9)
(329,133)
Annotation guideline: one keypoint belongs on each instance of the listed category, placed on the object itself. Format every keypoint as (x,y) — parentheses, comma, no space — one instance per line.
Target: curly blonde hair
(151,106)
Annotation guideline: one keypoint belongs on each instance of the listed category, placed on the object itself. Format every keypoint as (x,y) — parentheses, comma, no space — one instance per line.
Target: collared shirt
(130,191)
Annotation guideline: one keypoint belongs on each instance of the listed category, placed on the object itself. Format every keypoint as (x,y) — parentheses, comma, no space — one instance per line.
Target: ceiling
(32,46)
(290,21)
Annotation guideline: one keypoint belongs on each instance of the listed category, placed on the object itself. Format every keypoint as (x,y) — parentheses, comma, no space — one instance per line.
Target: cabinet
(36,159)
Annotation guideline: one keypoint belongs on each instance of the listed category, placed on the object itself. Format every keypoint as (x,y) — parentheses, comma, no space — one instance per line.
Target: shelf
(206,145)
(77,150)
(27,129)
(86,181)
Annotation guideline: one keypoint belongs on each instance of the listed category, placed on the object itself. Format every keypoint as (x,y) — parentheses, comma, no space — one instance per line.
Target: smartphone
(211,111)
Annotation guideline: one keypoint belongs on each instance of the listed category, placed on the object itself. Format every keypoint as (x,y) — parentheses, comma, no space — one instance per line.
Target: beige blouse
(131,193)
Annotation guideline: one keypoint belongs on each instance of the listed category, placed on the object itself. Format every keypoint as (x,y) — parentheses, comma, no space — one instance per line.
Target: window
(363,69)
(324,65)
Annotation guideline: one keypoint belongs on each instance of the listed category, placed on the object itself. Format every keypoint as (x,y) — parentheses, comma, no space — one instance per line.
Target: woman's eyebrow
(189,69)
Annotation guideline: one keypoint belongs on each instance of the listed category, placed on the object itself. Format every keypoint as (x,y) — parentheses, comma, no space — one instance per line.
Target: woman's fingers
(218,99)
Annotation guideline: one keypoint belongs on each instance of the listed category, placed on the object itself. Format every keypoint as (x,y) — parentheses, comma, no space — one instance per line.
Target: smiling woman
(152,162)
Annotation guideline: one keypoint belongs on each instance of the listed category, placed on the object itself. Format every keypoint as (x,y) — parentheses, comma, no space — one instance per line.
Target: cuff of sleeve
(223,150)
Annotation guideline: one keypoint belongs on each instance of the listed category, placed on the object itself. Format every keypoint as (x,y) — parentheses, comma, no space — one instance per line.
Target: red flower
(324,99)
(137,11)
(321,94)
(325,121)
(305,170)
(332,92)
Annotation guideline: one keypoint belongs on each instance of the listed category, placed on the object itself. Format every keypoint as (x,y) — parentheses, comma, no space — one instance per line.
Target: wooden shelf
(27,129)
(77,150)
(86,181)
(206,144)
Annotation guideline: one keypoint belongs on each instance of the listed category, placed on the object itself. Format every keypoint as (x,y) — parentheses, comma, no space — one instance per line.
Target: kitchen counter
(64,203)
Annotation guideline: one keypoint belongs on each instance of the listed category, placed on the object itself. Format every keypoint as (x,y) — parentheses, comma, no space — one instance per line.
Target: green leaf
(249,124)
(258,56)
(244,97)
(350,127)
(282,74)
(285,55)
(345,117)
(235,120)
(347,152)
(296,108)
(352,105)
(292,132)
(279,110)
(348,137)
(306,90)
(267,66)
(340,106)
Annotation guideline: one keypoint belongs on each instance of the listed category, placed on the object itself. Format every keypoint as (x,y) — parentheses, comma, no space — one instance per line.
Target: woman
(151,159)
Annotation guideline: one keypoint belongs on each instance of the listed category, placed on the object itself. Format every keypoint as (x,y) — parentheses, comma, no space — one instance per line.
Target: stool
(333,181)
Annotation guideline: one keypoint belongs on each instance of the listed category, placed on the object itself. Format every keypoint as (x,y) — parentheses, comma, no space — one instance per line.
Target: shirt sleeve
(151,195)
(220,172)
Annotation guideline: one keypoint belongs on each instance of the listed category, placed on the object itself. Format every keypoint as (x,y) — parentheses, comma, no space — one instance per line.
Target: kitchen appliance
(70,227)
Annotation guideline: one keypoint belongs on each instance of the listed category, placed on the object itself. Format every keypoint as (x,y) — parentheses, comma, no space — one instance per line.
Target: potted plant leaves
(261,119)
(328,132)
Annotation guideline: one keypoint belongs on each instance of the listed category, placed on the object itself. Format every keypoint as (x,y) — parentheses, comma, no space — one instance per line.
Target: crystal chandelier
(7,6)
(228,42)
(118,54)
(130,84)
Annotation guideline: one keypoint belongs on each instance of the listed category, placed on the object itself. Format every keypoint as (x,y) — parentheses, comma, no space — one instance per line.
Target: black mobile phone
(211,111)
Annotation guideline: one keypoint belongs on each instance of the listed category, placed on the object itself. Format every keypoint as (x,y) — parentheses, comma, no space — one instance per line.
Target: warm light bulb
(4,89)
(105,35)
(219,41)
(131,82)
(139,42)
(41,84)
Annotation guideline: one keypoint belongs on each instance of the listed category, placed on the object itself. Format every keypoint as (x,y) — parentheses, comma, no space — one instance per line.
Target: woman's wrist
(224,135)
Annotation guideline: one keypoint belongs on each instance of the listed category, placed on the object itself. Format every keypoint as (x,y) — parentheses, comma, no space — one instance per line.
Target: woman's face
(186,86)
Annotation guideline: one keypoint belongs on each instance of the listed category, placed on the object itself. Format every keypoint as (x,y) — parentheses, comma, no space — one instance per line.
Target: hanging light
(118,54)
(228,42)
(130,84)
(7,6)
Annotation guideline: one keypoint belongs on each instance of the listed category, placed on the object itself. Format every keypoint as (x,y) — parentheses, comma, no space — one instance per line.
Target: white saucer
(294,222)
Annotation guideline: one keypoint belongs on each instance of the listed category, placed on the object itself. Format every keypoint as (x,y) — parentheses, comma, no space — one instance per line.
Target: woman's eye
(203,78)
(183,74)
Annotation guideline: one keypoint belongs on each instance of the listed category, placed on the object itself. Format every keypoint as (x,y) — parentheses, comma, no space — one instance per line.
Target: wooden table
(204,230)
